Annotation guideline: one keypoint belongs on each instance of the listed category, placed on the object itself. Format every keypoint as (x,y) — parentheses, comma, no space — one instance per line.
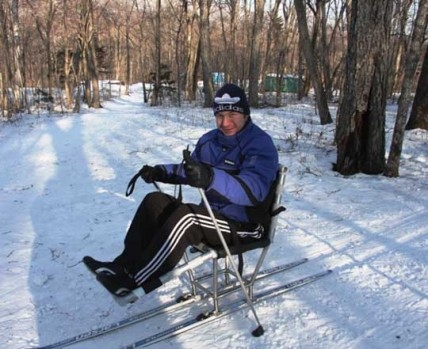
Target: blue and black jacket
(244,168)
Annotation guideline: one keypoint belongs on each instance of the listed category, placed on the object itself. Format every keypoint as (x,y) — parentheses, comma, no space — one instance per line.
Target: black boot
(119,284)
(98,267)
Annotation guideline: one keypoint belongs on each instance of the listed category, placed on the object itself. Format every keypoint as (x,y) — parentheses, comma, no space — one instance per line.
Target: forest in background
(360,53)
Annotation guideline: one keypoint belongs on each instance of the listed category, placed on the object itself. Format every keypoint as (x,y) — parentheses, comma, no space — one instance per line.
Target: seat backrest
(274,210)
(276,207)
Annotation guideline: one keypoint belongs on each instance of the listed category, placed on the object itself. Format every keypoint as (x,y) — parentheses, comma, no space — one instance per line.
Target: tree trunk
(157,83)
(300,75)
(360,131)
(17,76)
(419,114)
(87,44)
(78,77)
(270,41)
(118,52)
(204,7)
(308,52)
(411,62)
(7,62)
(256,38)
(128,47)
(142,48)
(179,51)
(398,48)
(87,90)
(128,60)
(68,86)
(228,35)
(230,71)
(93,71)
(3,100)
(192,43)
(93,63)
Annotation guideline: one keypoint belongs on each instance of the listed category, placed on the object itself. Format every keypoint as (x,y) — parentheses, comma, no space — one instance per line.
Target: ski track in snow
(62,189)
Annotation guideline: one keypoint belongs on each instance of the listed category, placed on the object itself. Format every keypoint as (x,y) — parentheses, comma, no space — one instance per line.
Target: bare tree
(229,27)
(157,83)
(128,25)
(2,96)
(6,76)
(13,97)
(177,32)
(280,47)
(329,59)
(141,42)
(399,42)
(360,132)
(86,39)
(255,44)
(192,48)
(204,9)
(276,37)
(17,77)
(419,114)
(44,18)
(245,40)
(308,53)
(412,59)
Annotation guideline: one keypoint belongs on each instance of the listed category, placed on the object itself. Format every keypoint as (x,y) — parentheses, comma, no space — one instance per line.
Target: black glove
(198,175)
(151,174)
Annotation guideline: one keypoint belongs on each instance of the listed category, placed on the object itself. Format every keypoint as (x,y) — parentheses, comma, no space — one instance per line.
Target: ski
(167,307)
(229,309)
(164,308)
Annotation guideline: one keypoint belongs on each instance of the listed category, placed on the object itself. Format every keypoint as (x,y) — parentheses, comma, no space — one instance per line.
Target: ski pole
(259,330)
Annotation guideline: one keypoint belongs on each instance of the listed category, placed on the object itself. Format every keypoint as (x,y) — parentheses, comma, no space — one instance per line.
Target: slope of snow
(62,188)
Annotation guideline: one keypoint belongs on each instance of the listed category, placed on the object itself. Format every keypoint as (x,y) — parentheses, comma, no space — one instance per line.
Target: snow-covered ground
(62,185)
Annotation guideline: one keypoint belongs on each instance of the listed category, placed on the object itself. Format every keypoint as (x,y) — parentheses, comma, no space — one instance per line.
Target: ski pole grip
(186,156)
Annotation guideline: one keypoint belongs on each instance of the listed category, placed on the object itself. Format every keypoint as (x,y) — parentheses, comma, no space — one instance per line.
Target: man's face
(230,122)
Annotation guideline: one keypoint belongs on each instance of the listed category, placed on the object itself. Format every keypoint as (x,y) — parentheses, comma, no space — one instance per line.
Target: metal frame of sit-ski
(232,281)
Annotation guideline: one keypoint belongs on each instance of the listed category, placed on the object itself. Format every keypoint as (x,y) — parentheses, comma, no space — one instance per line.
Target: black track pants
(161,230)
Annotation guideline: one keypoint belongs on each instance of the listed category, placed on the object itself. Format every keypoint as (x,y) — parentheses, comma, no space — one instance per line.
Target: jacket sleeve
(174,174)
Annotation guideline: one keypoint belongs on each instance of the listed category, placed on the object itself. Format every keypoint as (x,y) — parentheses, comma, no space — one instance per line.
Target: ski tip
(258,331)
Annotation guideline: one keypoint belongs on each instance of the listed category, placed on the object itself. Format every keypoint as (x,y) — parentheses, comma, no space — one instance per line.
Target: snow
(62,196)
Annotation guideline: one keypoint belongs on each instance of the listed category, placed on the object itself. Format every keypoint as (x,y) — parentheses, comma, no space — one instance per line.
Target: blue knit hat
(231,98)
